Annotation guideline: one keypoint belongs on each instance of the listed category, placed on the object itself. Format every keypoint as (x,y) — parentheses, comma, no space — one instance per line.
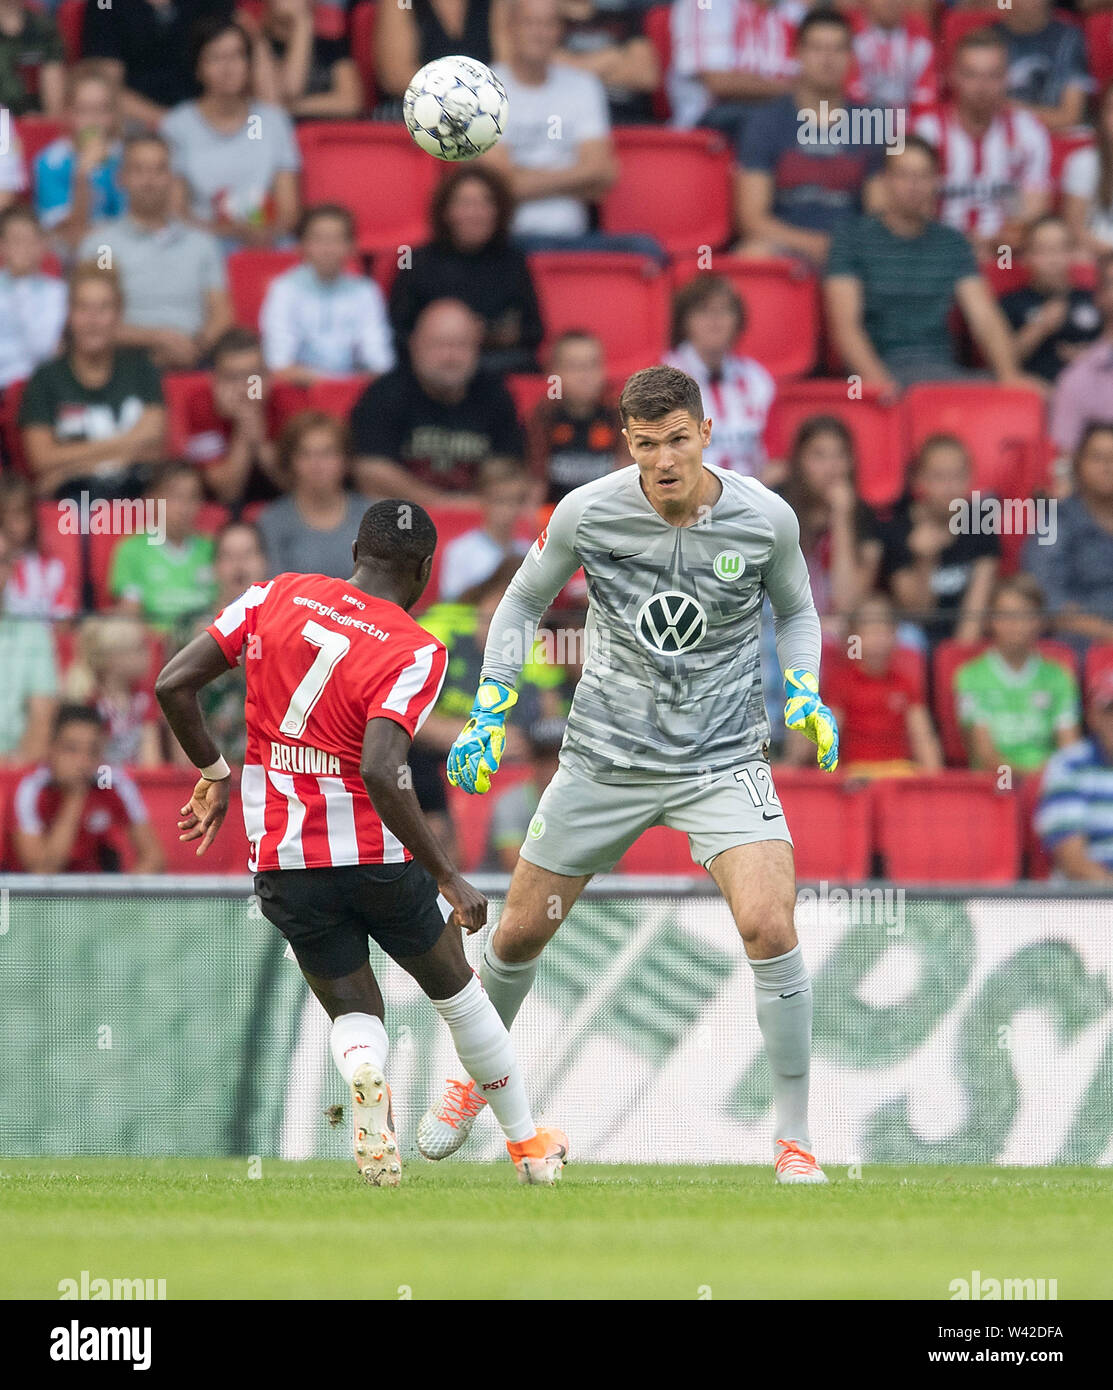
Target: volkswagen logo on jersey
(671,622)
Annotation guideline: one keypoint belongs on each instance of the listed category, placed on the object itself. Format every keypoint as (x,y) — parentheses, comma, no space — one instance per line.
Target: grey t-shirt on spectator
(1078,568)
(1044,64)
(291,544)
(231,175)
(166,273)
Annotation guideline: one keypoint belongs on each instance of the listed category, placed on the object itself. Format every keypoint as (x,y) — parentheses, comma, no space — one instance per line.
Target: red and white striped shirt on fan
(982,178)
(322,660)
(894,67)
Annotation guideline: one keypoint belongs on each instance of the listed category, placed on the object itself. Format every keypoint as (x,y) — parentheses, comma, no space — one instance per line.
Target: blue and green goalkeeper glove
(475,756)
(806,712)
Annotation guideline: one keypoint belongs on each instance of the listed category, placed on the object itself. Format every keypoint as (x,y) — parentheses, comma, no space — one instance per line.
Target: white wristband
(216,772)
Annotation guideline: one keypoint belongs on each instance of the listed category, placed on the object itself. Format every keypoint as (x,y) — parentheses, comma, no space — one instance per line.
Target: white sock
(784,1015)
(485,1049)
(355,1039)
(507,982)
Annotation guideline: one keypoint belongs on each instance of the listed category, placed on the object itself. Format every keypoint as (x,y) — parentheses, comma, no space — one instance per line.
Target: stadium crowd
(880,237)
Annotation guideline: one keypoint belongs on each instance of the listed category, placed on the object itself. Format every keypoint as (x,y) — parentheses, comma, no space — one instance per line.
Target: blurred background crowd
(236,304)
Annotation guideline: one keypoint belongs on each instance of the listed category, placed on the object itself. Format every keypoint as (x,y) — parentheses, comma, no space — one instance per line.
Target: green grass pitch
(462,1231)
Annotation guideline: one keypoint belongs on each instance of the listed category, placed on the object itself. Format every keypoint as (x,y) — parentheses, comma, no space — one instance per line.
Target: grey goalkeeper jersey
(671,683)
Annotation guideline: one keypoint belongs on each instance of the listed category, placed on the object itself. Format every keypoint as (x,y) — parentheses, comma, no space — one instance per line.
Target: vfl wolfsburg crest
(671,622)
(728,565)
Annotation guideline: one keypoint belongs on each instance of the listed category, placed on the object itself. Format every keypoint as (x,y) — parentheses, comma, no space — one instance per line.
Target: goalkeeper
(667,725)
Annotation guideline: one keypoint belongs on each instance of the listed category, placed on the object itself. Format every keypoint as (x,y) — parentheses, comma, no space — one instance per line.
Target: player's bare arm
(386,747)
(176,690)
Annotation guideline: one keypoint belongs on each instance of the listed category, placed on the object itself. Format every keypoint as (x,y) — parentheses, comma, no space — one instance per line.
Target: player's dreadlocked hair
(395,534)
(655,392)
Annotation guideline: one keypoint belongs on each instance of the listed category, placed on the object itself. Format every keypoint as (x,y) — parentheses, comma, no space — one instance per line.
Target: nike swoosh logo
(626,554)
(775,815)
(791,995)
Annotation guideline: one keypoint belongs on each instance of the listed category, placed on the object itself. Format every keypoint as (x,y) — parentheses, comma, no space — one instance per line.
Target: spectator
(1075,571)
(176,300)
(1074,818)
(1015,705)
(892,279)
(311,530)
(1084,390)
(607,38)
(838,532)
(879,700)
(1047,63)
(1052,319)
(38,585)
(472,558)
(729,57)
(1087,183)
(32,61)
(164,579)
(894,56)
(239,561)
(236,158)
(229,438)
(112,673)
(77,177)
(92,419)
(515,808)
(13,171)
(29,690)
(32,303)
(409,36)
(940,577)
(315,75)
(143,47)
(70,812)
(708,317)
(471,258)
(577,437)
(796,184)
(318,319)
(555,181)
(995,157)
(422,430)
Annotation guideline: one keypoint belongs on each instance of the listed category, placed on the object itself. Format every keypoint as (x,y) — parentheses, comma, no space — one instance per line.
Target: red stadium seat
(450,523)
(355,163)
(782,311)
(361,42)
(955,827)
(694,165)
(659,851)
(1037,862)
(947,658)
(9,429)
(830,820)
(69,17)
(1002,426)
(1099,660)
(249,273)
(1099,47)
(187,394)
(878,431)
(658,30)
(528,391)
(60,545)
(1017,276)
(35,133)
(165,790)
(101,549)
(621,298)
(336,395)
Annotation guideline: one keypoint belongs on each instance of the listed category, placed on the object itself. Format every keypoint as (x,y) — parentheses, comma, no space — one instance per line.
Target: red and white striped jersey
(321,661)
(729,36)
(738,404)
(982,179)
(894,67)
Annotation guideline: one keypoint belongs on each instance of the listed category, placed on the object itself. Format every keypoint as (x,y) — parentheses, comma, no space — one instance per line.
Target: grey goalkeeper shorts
(583,826)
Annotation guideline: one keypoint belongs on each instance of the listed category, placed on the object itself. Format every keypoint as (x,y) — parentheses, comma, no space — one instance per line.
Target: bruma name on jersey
(671,684)
(321,661)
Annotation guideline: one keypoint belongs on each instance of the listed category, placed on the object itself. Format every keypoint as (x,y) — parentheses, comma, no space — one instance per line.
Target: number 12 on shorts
(750,780)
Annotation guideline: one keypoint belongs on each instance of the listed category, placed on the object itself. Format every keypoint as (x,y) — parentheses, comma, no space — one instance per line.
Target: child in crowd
(113,672)
(576,437)
(472,558)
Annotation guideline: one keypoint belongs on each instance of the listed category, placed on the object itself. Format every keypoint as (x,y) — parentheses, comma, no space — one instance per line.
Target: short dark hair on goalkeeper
(655,392)
(395,535)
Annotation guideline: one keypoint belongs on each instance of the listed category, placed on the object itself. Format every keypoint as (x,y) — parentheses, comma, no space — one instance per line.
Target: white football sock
(485,1049)
(507,982)
(784,1015)
(355,1039)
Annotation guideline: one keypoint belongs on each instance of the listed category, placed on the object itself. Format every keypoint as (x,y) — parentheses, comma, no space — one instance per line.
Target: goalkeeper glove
(475,756)
(806,712)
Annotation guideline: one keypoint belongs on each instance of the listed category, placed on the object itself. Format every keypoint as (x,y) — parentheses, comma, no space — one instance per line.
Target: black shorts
(327,914)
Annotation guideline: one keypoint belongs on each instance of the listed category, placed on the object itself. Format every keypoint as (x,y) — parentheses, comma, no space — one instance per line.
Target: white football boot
(795,1164)
(445,1126)
(374,1140)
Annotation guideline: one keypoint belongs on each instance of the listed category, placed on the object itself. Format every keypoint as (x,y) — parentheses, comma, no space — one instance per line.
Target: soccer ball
(455,108)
